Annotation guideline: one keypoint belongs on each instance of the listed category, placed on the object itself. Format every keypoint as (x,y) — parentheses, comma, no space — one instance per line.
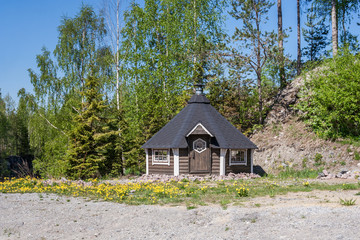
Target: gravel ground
(314,215)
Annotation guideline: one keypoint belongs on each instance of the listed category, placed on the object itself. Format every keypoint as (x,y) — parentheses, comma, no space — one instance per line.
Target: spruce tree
(90,139)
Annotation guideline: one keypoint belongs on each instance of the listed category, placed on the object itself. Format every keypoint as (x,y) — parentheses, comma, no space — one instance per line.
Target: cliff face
(286,141)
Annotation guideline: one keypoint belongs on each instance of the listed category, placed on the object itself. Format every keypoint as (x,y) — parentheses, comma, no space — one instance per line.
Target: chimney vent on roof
(199,88)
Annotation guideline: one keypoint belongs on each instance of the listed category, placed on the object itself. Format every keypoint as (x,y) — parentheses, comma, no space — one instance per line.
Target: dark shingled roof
(199,110)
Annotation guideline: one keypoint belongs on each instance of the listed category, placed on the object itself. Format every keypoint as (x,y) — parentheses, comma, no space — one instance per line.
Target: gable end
(199,129)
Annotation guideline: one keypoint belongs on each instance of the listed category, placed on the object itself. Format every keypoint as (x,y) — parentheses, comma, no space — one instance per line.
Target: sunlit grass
(188,193)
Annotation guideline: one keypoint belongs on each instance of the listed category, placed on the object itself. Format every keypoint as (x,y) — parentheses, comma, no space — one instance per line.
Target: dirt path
(313,215)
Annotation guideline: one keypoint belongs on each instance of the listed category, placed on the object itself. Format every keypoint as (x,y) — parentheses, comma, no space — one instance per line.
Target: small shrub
(356,156)
(242,191)
(347,202)
(318,159)
(224,203)
(342,163)
(304,162)
(190,207)
(127,171)
(276,128)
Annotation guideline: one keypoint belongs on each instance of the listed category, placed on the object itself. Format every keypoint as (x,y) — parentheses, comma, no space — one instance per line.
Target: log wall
(184,161)
(238,168)
(161,169)
(215,161)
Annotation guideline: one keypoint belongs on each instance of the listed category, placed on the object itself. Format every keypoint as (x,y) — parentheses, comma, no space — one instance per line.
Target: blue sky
(26,26)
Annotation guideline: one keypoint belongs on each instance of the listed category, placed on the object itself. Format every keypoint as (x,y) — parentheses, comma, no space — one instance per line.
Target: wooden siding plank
(161,169)
(215,165)
(237,168)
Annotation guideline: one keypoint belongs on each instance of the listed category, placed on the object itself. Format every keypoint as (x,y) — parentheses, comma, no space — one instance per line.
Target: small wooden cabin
(199,140)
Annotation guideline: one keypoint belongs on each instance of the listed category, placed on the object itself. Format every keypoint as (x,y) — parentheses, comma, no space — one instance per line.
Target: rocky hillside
(287,142)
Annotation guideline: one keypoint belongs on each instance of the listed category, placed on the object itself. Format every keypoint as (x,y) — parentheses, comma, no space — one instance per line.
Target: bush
(330,98)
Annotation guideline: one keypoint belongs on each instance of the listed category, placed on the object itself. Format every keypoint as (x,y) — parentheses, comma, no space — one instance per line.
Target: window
(238,157)
(161,157)
(199,145)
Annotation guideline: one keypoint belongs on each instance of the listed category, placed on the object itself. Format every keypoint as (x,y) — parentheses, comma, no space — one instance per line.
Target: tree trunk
(195,35)
(343,26)
(298,65)
(334,27)
(281,45)
(117,55)
(258,69)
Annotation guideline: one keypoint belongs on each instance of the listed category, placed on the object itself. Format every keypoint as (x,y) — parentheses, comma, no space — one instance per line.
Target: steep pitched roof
(199,110)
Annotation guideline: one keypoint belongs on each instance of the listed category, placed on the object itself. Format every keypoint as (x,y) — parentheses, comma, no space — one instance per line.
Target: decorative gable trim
(199,145)
(199,124)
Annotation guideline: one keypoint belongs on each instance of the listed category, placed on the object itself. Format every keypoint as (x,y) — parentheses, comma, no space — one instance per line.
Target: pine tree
(256,45)
(315,35)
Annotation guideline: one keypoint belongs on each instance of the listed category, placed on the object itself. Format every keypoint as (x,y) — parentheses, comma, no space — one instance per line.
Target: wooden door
(200,157)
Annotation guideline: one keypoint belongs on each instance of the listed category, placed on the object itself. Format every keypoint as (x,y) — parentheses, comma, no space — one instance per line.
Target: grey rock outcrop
(282,108)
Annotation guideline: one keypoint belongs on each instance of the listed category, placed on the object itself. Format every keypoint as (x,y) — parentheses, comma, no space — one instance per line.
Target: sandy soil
(312,215)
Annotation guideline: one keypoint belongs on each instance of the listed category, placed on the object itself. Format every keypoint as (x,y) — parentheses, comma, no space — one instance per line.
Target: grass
(356,156)
(350,141)
(347,202)
(188,193)
(305,173)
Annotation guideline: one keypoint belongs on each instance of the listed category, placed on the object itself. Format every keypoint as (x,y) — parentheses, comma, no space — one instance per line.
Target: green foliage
(347,202)
(14,135)
(58,91)
(243,191)
(253,47)
(163,42)
(304,162)
(350,186)
(315,35)
(4,171)
(91,140)
(304,173)
(356,156)
(238,103)
(331,97)
(318,159)
(190,193)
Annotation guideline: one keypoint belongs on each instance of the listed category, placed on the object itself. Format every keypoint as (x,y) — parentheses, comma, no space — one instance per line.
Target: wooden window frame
(244,163)
(160,162)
